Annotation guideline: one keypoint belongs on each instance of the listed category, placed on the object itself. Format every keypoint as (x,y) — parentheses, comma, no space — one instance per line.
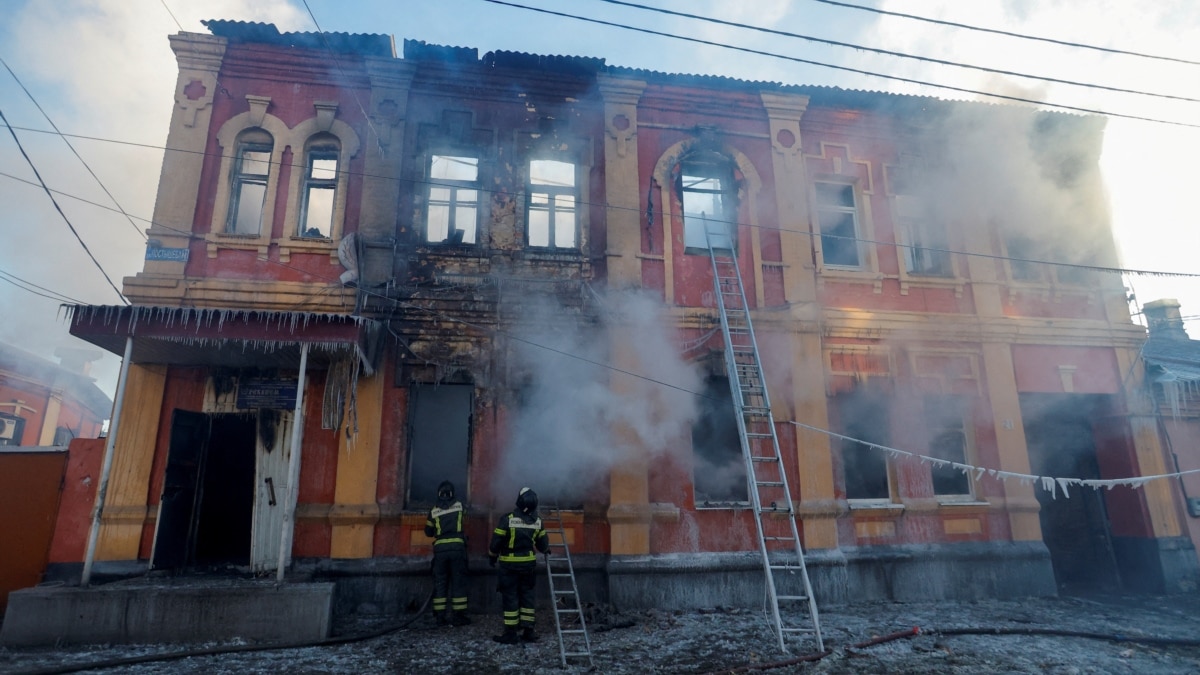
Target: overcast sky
(103,69)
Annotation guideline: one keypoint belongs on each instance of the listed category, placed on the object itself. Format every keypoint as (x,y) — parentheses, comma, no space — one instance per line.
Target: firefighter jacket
(445,525)
(517,538)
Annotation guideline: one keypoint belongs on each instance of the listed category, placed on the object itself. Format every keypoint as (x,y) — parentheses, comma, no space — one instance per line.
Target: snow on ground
(723,640)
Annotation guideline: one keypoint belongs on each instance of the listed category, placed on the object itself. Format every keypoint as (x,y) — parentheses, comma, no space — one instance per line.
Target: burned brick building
(369,272)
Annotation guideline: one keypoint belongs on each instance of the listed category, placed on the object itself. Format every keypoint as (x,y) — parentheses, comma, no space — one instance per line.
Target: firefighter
(445,525)
(514,542)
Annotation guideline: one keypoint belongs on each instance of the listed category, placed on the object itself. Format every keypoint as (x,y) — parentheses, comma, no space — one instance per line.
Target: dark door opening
(207,506)
(1060,436)
(439,440)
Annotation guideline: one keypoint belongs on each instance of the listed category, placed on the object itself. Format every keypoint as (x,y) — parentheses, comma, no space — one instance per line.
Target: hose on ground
(230,649)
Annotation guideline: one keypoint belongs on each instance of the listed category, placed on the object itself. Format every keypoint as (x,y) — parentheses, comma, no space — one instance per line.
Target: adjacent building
(494,269)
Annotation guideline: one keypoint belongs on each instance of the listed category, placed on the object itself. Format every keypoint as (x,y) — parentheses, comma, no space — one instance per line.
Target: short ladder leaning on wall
(573,642)
(774,514)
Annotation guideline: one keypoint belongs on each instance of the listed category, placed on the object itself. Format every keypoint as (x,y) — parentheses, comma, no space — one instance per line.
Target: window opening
(11,429)
(706,190)
(250,175)
(946,420)
(864,417)
(551,220)
(719,472)
(320,187)
(453,204)
(439,440)
(1021,255)
(837,218)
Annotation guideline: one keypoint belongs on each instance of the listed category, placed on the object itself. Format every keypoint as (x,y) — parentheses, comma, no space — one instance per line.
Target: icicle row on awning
(1051,484)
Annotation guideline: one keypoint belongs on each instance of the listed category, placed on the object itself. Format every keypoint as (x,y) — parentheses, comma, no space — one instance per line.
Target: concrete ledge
(145,611)
(1166,565)
(960,571)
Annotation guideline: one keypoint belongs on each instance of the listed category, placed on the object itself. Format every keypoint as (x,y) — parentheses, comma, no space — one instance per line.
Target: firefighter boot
(509,637)
(528,635)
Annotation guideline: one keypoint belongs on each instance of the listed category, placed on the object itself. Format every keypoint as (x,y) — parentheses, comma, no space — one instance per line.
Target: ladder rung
(572,631)
(780,539)
(768,483)
(791,597)
(765,459)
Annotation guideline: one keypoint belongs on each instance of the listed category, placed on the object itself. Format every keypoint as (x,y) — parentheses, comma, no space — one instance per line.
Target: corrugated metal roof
(267,33)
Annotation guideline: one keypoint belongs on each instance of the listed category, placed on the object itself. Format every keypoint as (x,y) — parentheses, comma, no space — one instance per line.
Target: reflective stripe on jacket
(445,525)
(516,539)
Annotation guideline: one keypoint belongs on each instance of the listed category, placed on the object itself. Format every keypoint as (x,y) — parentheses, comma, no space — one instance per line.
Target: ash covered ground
(725,640)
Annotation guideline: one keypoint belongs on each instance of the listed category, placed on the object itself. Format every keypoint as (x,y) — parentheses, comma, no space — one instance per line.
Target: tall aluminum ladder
(774,512)
(573,641)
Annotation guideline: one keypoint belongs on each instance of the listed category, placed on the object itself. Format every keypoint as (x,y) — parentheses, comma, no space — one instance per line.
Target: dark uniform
(515,543)
(445,525)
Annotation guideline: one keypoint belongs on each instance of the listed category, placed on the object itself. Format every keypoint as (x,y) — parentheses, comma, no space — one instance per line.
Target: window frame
(239,178)
(876,406)
(864,262)
(319,152)
(713,166)
(934,407)
(552,192)
(452,204)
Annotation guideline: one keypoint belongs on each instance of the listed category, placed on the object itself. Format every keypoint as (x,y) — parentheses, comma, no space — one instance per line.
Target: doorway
(207,506)
(1060,436)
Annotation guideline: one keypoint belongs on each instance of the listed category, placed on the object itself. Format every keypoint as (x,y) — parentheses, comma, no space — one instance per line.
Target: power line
(73,150)
(59,209)
(876,242)
(859,71)
(1022,36)
(22,284)
(886,52)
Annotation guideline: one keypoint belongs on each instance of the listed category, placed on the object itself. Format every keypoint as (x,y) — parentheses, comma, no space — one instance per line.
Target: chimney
(1164,320)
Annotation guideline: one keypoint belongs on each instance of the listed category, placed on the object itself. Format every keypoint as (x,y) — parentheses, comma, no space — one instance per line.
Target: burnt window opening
(439,440)
(251,172)
(550,215)
(319,191)
(452,205)
(864,417)
(838,221)
(946,419)
(707,192)
(1022,256)
(719,469)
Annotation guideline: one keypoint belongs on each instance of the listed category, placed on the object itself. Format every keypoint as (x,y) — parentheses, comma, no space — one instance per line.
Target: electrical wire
(59,209)
(72,147)
(1022,36)
(887,52)
(18,281)
(859,71)
(611,207)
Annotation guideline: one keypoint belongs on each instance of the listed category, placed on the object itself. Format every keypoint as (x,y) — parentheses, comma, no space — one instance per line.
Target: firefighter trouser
(449,574)
(516,584)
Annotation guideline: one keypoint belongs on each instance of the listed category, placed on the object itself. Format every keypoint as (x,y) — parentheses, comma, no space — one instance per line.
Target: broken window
(864,418)
(719,470)
(947,422)
(11,428)
(453,202)
(837,219)
(550,216)
(439,442)
(320,187)
(1022,252)
(709,203)
(249,194)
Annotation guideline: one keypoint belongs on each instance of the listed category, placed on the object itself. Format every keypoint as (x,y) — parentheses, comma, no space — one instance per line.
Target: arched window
(248,184)
(319,188)
(707,192)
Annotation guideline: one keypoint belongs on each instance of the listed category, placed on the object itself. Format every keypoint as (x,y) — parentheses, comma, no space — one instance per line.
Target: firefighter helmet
(446,490)
(527,500)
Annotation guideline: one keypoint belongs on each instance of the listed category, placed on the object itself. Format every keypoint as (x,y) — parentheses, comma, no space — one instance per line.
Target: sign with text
(168,254)
(261,392)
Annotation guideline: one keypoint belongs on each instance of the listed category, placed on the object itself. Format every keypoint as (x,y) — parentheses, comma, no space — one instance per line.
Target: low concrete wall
(932,572)
(153,612)
(1166,565)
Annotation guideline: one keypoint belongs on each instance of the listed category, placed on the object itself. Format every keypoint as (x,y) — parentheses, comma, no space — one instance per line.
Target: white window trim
(302,136)
(530,188)
(477,186)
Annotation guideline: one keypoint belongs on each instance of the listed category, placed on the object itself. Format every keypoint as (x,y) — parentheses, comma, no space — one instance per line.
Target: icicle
(979,474)
(1062,484)
(1048,485)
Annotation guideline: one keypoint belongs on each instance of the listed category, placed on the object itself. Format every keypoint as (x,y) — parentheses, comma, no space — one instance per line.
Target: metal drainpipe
(106,466)
(293,490)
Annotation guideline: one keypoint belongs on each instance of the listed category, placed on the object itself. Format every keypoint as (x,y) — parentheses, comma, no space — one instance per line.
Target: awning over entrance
(226,337)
